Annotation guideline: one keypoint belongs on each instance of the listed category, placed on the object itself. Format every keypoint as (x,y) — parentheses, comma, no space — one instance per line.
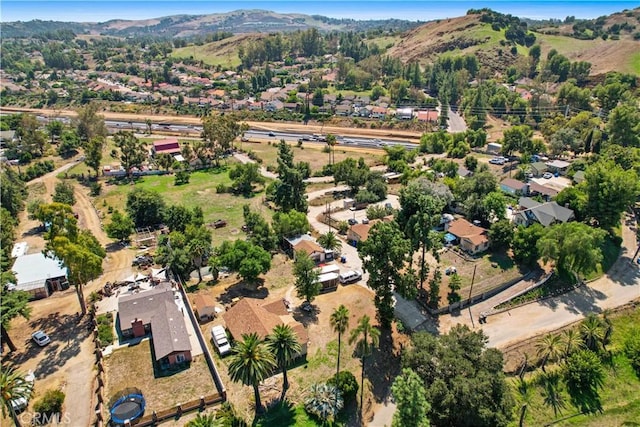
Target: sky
(422,10)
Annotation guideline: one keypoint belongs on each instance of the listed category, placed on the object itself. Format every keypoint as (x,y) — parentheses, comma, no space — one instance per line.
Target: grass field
(222,52)
(634,63)
(620,394)
(200,191)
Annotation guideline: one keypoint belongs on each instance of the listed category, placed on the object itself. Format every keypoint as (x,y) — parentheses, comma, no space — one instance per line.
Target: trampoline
(127,408)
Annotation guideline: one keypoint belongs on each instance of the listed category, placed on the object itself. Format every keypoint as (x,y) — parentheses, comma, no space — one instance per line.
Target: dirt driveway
(67,362)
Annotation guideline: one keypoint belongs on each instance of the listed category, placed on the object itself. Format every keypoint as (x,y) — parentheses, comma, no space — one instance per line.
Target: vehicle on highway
(40,338)
(219,338)
(547,175)
(272,134)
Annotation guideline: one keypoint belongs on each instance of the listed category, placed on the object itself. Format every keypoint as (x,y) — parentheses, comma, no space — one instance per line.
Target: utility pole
(470,290)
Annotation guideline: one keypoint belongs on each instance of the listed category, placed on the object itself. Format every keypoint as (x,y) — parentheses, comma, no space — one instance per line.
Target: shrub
(322,402)
(50,403)
(96,189)
(347,384)
(632,350)
(105,329)
(221,188)
(343,227)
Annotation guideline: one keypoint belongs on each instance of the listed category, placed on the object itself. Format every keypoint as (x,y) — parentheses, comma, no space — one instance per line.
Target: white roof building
(39,275)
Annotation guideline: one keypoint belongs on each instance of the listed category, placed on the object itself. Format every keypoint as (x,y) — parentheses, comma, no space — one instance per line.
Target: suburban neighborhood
(303,227)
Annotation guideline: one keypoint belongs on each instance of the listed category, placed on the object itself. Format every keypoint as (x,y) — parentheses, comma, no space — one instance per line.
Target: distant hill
(237,22)
(614,43)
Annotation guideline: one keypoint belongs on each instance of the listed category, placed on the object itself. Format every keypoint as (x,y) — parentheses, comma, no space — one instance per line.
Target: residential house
(155,311)
(513,186)
(359,232)
(536,189)
(39,275)
(379,113)
(546,214)
(7,137)
(344,109)
(291,107)
(168,145)
(427,116)
(470,237)
(251,315)
(308,244)
(404,113)
(464,172)
(205,307)
(538,168)
(558,166)
(494,148)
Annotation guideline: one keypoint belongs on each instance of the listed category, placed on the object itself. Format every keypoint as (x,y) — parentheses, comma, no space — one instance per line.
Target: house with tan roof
(252,315)
(307,244)
(470,237)
(205,307)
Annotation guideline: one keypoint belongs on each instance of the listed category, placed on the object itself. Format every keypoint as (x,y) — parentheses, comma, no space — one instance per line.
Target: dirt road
(67,362)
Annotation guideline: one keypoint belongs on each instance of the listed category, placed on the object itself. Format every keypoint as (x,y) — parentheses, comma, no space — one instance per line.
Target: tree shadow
(242,289)
(383,366)
(35,231)
(587,400)
(582,300)
(115,247)
(279,413)
(306,316)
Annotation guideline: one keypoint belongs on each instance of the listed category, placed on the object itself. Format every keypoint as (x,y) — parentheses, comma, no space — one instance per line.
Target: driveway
(456,122)
(618,287)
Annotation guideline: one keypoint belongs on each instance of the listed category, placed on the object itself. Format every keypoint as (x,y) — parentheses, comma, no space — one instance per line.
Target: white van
(219,338)
(350,277)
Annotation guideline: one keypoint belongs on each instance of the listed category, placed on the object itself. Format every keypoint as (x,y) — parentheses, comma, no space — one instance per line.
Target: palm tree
(13,386)
(592,332)
(322,402)
(549,348)
(340,323)
(251,362)
(285,347)
(572,341)
(551,392)
(525,394)
(206,420)
(330,241)
(199,246)
(366,337)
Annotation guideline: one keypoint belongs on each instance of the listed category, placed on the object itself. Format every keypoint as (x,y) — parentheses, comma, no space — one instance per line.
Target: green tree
(251,362)
(206,420)
(549,348)
(571,341)
(495,206)
(624,125)
(584,375)
(121,227)
(592,331)
(366,338)
(576,248)
(321,401)
(524,244)
(145,207)
(288,190)
(89,124)
(409,395)
(551,392)
(351,172)
(459,360)
(501,234)
(54,129)
(244,176)
(133,152)
(455,282)
(304,270)
(198,246)
(339,323)
(385,256)
(83,258)
(31,137)
(12,304)
(177,217)
(64,193)
(172,253)
(13,191)
(258,230)
(13,386)
(610,191)
(330,241)
(164,161)
(285,347)
(517,138)
(219,132)
(290,224)
(69,142)
(244,257)
(93,153)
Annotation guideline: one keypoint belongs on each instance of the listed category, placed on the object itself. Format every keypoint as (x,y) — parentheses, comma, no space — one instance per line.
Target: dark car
(220,223)
(352,221)
(142,260)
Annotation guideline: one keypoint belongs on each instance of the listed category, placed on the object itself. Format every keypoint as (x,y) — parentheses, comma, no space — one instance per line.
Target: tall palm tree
(330,241)
(199,246)
(366,337)
(340,323)
(551,392)
(549,348)
(592,332)
(251,362)
(285,347)
(13,385)
(572,341)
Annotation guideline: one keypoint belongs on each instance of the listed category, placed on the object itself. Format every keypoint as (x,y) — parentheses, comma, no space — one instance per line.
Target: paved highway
(136,126)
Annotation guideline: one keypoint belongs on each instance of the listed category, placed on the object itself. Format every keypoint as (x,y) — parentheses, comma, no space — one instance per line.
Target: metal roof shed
(39,275)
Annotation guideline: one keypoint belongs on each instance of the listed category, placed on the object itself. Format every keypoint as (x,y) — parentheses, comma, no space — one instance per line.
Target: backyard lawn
(160,392)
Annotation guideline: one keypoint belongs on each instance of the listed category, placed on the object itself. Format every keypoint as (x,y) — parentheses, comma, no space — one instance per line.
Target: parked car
(349,277)
(365,220)
(20,404)
(219,338)
(547,175)
(352,221)
(142,260)
(40,338)
(497,161)
(220,223)
(450,270)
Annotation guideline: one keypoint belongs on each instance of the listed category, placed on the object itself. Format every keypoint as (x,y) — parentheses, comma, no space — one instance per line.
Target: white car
(40,338)
(497,161)
(219,338)
(20,404)
(547,175)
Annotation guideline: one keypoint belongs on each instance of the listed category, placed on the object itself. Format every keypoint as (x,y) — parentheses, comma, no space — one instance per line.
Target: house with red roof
(168,145)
